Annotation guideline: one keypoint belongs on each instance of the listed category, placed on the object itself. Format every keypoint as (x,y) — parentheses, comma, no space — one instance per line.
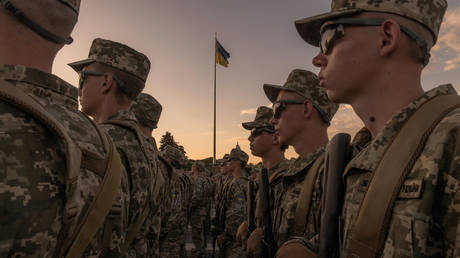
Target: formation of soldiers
(92,183)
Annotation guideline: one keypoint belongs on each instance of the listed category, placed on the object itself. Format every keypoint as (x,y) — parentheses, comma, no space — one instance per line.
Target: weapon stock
(337,156)
(268,242)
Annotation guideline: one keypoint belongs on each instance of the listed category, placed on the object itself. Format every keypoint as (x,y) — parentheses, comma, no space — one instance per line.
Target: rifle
(268,241)
(337,156)
(251,210)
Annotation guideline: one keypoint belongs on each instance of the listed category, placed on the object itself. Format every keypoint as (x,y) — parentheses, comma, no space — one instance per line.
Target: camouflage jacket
(135,159)
(275,178)
(425,219)
(33,170)
(286,198)
(202,195)
(235,210)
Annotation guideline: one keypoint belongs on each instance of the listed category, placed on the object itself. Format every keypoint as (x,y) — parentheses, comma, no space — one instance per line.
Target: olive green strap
(368,234)
(134,229)
(303,204)
(100,206)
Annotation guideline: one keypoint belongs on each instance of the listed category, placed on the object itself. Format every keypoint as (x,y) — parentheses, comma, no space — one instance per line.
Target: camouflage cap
(73,4)
(223,159)
(262,119)
(238,154)
(428,13)
(118,56)
(306,84)
(174,154)
(147,110)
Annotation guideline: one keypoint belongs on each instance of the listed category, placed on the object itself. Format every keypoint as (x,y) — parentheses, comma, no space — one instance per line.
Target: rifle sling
(368,234)
(304,202)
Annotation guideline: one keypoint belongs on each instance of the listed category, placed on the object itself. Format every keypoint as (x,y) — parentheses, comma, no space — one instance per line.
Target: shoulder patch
(411,189)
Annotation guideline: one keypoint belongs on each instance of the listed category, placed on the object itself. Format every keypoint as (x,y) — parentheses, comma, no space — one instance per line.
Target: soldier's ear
(389,36)
(307,109)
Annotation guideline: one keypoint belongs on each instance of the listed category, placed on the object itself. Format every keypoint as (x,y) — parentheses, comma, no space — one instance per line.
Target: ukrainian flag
(222,55)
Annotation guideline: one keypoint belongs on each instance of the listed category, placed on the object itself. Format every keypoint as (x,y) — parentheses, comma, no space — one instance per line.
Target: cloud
(448,46)
(249,111)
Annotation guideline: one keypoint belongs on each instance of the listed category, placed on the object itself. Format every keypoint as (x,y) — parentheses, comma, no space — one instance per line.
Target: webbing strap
(100,206)
(368,234)
(134,228)
(304,202)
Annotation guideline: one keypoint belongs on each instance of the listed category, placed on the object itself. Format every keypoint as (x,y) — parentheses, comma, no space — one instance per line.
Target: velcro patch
(411,189)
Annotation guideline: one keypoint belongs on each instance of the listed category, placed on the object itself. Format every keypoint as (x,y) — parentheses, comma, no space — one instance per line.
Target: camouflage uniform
(172,242)
(147,111)
(287,192)
(35,215)
(32,184)
(234,210)
(424,221)
(199,209)
(122,127)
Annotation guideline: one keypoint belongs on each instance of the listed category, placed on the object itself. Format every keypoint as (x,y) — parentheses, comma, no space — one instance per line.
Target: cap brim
(308,28)
(249,125)
(272,91)
(78,66)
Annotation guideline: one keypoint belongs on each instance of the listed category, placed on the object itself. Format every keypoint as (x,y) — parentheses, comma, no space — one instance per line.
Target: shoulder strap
(303,204)
(100,206)
(368,234)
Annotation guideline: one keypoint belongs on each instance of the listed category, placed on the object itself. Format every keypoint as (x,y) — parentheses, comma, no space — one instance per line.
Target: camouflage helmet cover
(238,154)
(306,84)
(118,56)
(428,13)
(200,166)
(147,110)
(262,119)
(174,154)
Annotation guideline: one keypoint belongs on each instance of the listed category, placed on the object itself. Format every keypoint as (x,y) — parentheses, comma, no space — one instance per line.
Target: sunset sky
(178,37)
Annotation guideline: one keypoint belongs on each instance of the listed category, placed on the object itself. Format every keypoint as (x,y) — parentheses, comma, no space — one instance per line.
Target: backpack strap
(100,206)
(306,193)
(368,234)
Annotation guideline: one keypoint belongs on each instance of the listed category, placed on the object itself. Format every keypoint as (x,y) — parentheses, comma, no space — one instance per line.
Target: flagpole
(215,61)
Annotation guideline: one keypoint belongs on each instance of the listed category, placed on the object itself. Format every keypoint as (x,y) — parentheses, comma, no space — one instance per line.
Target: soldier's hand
(254,245)
(242,232)
(220,240)
(294,250)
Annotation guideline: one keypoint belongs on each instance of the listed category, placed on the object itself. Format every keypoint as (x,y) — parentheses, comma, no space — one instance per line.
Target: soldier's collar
(301,163)
(38,78)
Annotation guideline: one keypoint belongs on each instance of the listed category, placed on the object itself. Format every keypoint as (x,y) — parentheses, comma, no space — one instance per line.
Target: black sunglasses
(280,105)
(332,31)
(83,75)
(258,131)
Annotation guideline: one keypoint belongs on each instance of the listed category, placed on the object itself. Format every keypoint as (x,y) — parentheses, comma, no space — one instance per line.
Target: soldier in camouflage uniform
(233,211)
(200,208)
(264,144)
(111,78)
(302,114)
(423,220)
(41,201)
(172,242)
(147,111)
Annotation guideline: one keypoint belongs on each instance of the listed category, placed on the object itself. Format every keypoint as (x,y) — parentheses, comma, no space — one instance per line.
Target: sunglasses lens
(277,109)
(329,36)
(81,80)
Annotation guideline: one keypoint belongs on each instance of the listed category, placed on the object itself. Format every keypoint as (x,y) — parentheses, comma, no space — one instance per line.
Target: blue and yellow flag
(222,55)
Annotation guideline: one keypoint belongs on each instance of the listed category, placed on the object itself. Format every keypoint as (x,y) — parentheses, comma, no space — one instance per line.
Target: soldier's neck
(310,141)
(17,49)
(107,109)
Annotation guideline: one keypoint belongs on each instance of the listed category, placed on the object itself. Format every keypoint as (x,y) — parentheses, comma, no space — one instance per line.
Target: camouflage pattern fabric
(238,154)
(275,175)
(425,218)
(199,212)
(235,213)
(147,110)
(135,160)
(306,84)
(427,13)
(172,243)
(287,196)
(118,56)
(32,189)
(262,119)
